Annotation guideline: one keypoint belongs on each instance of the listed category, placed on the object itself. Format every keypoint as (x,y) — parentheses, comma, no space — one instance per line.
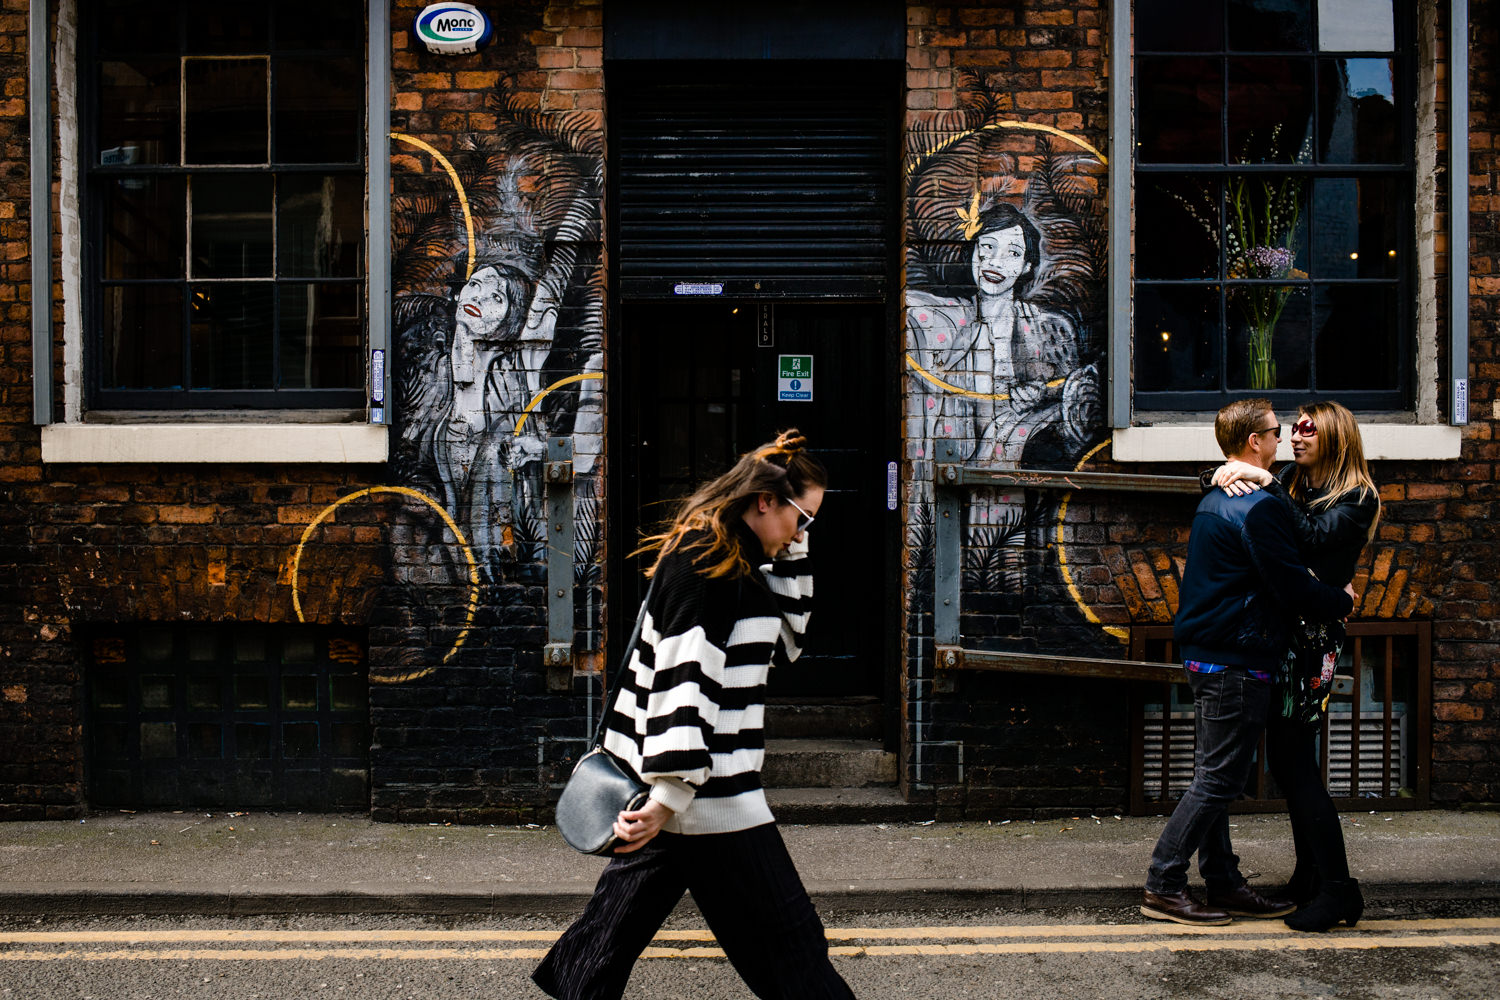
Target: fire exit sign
(794,378)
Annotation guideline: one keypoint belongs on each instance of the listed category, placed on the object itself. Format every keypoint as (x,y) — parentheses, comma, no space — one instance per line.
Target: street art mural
(499,325)
(1004,321)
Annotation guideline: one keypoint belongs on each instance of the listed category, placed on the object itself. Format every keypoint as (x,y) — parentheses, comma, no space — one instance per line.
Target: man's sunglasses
(805,520)
(1273,429)
(1305,428)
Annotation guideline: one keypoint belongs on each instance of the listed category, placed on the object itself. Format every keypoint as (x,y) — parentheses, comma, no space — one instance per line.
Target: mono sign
(452,29)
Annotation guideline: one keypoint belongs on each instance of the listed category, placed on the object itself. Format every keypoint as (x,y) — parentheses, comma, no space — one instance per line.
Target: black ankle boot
(1302,887)
(1335,902)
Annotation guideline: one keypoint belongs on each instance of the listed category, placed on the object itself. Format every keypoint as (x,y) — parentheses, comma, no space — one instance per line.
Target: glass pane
(340,25)
(299,693)
(348,693)
(1176,227)
(205,692)
(111,691)
(252,740)
(1265,226)
(1357,111)
(155,644)
(320,226)
(205,739)
(299,739)
(144,234)
(156,692)
(1178,105)
(322,336)
(1161,27)
(141,327)
(227,112)
(251,691)
(1177,337)
(135,25)
(1270,25)
(158,740)
(298,648)
(232,225)
(1356,26)
(203,647)
(1270,110)
(112,739)
(138,120)
(232,29)
(1357,326)
(320,110)
(231,336)
(349,739)
(1269,339)
(1355,229)
(250,647)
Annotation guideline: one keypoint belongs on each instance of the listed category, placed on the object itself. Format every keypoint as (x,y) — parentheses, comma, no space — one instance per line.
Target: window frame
(93,175)
(1405,280)
(1426,431)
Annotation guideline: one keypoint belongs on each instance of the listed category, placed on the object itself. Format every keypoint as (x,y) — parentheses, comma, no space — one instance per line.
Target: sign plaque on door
(794,378)
(765,329)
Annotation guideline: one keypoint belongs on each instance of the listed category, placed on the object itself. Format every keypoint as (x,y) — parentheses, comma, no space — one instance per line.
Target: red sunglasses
(1305,428)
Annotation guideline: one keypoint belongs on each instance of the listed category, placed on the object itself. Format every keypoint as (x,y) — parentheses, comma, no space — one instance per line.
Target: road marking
(1155,929)
(951,941)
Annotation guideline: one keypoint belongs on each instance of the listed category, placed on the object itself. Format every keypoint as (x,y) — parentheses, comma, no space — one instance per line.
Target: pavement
(235,864)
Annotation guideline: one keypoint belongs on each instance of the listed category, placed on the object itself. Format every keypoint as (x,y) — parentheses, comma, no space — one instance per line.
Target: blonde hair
(1341,464)
(781,467)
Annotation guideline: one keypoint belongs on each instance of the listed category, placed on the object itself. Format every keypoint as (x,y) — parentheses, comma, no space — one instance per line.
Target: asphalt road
(1432,953)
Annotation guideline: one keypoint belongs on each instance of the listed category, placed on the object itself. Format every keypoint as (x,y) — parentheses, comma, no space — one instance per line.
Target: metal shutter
(767,179)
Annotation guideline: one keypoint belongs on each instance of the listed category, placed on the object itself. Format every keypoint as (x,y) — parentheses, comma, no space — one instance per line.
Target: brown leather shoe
(1246,902)
(1182,908)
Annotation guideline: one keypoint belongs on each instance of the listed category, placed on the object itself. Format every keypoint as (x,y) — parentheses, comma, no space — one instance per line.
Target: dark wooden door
(700,389)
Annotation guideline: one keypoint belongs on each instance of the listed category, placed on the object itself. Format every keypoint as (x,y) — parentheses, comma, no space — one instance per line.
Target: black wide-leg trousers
(748,891)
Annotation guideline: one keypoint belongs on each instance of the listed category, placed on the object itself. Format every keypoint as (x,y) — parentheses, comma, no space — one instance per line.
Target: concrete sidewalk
(252,863)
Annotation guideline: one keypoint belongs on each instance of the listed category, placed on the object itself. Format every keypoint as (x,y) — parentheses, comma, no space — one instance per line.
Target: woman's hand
(1240,478)
(636,827)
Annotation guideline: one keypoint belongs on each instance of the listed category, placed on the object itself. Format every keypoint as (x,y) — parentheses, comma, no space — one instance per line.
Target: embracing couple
(1260,626)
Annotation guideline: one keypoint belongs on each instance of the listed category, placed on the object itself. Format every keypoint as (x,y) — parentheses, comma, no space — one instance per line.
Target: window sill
(1195,443)
(215,442)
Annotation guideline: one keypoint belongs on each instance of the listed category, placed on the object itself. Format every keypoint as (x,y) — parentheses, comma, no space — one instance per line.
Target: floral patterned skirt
(1304,683)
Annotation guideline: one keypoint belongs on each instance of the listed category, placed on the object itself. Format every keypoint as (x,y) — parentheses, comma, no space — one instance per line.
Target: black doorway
(698,390)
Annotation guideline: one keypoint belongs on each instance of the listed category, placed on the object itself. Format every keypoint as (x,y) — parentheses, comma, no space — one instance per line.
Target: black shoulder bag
(602,785)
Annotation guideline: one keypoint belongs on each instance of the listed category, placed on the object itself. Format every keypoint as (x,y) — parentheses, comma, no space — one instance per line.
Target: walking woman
(731,595)
(1335,508)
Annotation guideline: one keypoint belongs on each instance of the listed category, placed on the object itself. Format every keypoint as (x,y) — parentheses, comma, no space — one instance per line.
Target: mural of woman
(1007,362)
(482,366)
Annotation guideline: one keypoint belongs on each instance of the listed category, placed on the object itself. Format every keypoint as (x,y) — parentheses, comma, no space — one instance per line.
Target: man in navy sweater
(1243,585)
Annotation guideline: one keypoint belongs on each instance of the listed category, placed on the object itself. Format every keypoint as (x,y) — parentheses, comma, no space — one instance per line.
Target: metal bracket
(557,655)
(947,569)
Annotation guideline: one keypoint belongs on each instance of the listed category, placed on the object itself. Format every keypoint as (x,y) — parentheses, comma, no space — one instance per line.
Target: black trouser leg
(1291,751)
(749,892)
(635,893)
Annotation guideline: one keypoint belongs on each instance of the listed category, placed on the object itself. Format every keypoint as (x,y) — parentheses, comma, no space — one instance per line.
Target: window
(1274,183)
(225,194)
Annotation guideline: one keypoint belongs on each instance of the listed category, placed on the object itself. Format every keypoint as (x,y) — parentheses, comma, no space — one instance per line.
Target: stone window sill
(351,443)
(1195,443)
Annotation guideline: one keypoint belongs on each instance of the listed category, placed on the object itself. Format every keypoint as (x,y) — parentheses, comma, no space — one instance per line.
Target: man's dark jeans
(1231,711)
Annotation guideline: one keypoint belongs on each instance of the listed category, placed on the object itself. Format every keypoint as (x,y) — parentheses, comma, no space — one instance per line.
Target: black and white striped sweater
(690,713)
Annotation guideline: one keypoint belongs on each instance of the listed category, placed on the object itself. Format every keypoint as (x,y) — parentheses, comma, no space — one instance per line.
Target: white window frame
(1416,434)
(177,436)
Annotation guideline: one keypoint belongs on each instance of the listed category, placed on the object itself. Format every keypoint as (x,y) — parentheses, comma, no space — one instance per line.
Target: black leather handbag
(602,785)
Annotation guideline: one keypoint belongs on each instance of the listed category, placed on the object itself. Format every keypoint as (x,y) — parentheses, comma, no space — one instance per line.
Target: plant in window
(1260,236)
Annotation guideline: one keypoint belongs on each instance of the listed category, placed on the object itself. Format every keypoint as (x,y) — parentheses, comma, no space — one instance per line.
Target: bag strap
(614,687)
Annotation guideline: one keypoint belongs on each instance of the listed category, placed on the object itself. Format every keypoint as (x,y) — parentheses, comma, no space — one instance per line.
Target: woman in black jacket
(1335,507)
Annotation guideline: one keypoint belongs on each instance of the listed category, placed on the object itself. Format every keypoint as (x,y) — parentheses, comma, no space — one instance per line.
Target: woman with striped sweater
(731,597)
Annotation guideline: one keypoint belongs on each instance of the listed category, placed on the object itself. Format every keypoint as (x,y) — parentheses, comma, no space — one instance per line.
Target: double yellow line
(501,945)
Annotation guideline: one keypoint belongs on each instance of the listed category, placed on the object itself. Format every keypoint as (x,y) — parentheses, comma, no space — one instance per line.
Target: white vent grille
(1371,738)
